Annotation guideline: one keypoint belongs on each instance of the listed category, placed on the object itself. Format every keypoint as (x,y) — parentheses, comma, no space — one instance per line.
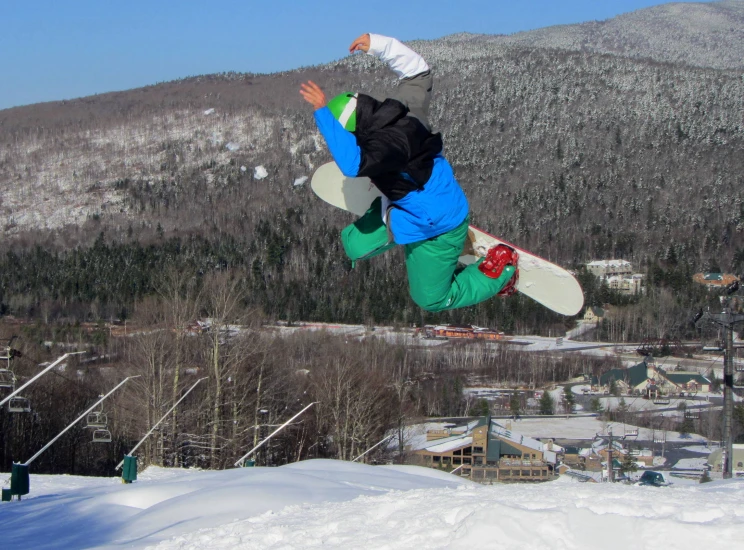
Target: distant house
(633,379)
(618,274)
(572,456)
(715,459)
(594,314)
(609,268)
(686,381)
(626,285)
(714,280)
(470,332)
(646,377)
(487,451)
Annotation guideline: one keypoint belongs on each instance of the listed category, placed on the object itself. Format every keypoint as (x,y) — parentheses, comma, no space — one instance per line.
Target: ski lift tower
(727,319)
(610,437)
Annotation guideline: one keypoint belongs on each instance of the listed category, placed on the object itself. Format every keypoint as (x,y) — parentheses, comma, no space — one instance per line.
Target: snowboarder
(423,207)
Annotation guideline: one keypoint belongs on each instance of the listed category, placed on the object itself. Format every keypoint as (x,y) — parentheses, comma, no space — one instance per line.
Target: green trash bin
(129,469)
(249,464)
(7,495)
(19,480)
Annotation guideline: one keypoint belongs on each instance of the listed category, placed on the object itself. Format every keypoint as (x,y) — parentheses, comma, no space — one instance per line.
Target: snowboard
(543,281)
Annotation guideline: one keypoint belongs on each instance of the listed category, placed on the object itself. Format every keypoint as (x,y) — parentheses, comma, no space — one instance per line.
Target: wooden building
(489,452)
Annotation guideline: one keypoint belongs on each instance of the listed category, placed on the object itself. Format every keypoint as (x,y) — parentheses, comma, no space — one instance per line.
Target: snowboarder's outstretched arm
(414,73)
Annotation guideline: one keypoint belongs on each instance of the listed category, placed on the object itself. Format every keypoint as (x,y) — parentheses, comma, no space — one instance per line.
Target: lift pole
(78,419)
(39,375)
(280,428)
(727,319)
(141,441)
(373,447)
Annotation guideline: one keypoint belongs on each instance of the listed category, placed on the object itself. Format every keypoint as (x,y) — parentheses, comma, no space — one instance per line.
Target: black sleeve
(383,151)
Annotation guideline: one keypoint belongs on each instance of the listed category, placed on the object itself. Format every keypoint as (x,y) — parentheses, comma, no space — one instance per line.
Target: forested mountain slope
(703,35)
(615,139)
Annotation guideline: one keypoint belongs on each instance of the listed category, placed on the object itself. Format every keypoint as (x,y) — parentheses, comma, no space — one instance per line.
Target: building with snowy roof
(715,460)
(609,268)
(487,451)
(644,376)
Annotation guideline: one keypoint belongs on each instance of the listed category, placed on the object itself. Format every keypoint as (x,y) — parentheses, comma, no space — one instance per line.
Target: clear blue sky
(61,49)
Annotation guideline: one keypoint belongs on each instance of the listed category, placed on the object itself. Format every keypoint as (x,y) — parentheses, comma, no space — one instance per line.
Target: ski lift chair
(7,379)
(19,405)
(96,419)
(101,435)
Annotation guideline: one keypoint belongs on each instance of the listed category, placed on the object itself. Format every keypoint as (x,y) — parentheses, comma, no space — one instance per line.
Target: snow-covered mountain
(637,116)
(701,34)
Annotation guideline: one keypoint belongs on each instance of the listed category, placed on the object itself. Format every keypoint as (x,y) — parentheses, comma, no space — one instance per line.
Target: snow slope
(331,504)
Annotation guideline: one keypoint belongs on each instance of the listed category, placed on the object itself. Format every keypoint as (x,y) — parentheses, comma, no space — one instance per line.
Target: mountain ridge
(127,160)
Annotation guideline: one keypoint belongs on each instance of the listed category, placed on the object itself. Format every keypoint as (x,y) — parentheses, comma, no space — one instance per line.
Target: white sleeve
(400,58)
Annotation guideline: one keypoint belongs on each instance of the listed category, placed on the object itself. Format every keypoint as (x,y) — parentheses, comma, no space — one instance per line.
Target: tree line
(256,378)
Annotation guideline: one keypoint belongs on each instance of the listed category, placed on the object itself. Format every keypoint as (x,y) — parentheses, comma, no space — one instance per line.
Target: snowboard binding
(497,258)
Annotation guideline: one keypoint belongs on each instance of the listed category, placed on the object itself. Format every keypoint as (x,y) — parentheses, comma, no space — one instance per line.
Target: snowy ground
(331,504)
(587,427)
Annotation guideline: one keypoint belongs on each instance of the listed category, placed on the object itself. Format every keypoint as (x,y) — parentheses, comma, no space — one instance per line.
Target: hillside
(701,35)
(620,138)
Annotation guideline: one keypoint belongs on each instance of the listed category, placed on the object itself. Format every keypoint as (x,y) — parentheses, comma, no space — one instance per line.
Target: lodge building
(485,451)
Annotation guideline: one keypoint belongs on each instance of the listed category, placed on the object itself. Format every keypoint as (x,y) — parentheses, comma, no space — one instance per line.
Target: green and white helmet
(343,107)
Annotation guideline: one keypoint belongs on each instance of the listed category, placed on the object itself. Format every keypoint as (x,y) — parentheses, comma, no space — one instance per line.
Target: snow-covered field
(332,504)
(587,427)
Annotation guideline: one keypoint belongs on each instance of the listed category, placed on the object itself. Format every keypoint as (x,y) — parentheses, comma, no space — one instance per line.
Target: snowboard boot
(494,263)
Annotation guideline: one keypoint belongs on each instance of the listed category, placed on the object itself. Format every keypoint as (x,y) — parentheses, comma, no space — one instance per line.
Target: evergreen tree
(595,405)
(515,406)
(628,465)
(547,405)
(568,398)
(481,408)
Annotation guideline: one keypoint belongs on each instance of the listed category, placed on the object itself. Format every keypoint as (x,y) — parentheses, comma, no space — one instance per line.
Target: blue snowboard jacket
(437,207)
(393,146)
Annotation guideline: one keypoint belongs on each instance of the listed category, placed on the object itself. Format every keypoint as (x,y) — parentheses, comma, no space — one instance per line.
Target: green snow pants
(434,282)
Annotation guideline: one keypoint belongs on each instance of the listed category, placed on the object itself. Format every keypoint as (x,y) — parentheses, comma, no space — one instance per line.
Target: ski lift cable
(159,421)
(90,389)
(78,419)
(243,458)
(80,384)
(37,376)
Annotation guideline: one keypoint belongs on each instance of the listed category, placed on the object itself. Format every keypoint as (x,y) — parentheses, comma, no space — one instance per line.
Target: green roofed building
(646,376)
(635,378)
(686,381)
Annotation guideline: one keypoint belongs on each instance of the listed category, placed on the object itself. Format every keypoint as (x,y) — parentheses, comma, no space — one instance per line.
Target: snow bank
(68,513)
(332,504)
(552,515)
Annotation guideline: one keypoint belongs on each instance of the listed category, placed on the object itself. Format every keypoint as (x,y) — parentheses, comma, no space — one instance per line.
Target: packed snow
(587,427)
(333,504)
(259,173)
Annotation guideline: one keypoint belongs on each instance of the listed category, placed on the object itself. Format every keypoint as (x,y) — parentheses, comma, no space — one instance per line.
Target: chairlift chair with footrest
(101,435)
(19,404)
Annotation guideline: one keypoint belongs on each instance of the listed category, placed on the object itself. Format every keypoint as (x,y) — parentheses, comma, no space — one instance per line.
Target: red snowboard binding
(497,258)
